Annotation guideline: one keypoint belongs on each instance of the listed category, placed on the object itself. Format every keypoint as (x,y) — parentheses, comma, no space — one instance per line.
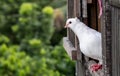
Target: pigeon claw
(95,67)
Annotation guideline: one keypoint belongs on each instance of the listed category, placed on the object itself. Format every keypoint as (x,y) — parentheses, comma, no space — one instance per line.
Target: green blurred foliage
(26,27)
(14,62)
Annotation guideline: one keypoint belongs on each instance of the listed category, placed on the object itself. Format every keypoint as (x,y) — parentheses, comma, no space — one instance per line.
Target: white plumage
(89,39)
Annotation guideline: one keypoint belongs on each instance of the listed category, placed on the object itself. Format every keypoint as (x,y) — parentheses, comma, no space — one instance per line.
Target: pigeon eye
(70,22)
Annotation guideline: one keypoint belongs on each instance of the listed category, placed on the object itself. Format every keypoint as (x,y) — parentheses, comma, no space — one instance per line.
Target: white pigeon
(89,40)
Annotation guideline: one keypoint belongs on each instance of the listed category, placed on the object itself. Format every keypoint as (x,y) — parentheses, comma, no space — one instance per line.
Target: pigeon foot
(95,67)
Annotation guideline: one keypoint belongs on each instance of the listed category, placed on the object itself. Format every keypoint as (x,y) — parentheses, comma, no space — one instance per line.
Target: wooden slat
(77,8)
(71,51)
(70,14)
(77,13)
(115,41)
(99,19)
(106,38)
(80,68)
(70,10)
(93,15)
(115,3)
(84,9)
(89,1)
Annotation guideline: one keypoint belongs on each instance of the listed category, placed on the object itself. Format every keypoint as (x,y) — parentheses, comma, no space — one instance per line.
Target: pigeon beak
(66,26)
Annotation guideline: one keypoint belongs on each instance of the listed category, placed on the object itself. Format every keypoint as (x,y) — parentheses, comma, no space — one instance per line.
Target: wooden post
(70,14)
(115,28)
(115,53)
(106,38)
(69,41)
(80,68)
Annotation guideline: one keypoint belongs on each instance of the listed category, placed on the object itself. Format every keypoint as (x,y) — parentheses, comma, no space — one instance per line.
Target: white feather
(89,39)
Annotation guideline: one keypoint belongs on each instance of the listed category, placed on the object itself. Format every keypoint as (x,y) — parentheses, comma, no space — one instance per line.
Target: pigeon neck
(80,29)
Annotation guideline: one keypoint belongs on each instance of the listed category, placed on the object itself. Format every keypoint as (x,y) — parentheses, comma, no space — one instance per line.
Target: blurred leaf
(4,39)
(48,10)
(34,42)
(15,28)
(26,8)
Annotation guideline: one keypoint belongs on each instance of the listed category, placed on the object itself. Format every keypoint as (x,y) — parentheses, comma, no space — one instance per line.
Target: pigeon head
(71,22)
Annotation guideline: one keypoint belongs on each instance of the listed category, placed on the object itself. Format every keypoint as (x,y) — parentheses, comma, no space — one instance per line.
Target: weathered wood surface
(106,39)
(71,51)
(84,9)
(115,41)
(89,1)
(115,3)
(80,68)
(70,14)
